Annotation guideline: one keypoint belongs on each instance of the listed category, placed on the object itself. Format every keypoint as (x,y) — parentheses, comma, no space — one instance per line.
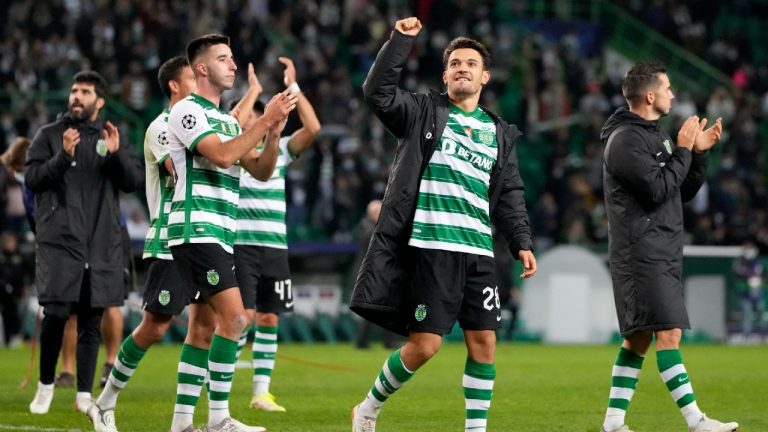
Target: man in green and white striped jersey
(261,248)
(434,232)
(206,143)
(164,294)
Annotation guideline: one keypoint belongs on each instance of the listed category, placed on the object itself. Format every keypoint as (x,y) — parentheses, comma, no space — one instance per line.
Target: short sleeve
(156,141)
(285,150)
(189,123)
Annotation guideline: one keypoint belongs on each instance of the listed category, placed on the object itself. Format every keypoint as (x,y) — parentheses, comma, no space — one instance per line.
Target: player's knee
(159,330)
(202,330)
(668,339)
(267,319)
(238,322)
(149,333)
(426,350)
(200,335)
(483,348)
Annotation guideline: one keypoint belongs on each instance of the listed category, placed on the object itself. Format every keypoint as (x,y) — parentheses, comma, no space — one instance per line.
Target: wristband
(294,88)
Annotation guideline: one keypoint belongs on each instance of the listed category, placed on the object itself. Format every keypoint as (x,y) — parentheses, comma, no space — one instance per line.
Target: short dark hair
(199,45)
(639,78)
(465,42)
(91,77)
(171,71)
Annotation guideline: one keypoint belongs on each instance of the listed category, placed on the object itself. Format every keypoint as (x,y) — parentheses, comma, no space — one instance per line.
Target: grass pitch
(538,388)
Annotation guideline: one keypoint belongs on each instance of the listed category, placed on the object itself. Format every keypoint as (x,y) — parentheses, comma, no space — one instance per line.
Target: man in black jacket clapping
(646,180)
(76,166)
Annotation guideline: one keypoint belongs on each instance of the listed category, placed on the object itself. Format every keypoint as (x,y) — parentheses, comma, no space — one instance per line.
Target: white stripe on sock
(189,389)
(266,348)
(476,383)
(221,367)
(220,386)
(123,369)
(263,364)
(681,391)
(477,404)
(672,372)
(390,377)
(268,336)
(380,387)
(621,393)
(116,382)
(625,371)
(191,369)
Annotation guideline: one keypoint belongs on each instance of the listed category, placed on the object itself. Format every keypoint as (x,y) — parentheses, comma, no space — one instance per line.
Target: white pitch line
(35,428)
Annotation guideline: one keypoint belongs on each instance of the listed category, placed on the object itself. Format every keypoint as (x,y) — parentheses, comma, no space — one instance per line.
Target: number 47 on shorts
(283,289)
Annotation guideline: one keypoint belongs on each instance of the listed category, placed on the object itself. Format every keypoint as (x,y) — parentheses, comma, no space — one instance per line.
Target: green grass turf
(538,388)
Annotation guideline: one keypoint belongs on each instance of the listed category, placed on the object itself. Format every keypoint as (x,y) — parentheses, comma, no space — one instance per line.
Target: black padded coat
(417,120)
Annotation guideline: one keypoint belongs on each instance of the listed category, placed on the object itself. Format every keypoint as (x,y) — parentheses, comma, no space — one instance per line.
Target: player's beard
(85,113)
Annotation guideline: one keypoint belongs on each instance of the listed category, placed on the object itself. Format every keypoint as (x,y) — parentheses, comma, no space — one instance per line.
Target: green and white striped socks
(624,377)
(193,366)
(243,340)
(675,376)
(264,351)
(221,367)
(128,359)
(478,391)
(392,376)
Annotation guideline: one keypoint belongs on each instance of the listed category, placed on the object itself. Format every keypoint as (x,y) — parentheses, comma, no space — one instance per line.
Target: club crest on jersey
(668,146)
(213,277)
(101,147)
(420,313)
(164,298)
(485,137)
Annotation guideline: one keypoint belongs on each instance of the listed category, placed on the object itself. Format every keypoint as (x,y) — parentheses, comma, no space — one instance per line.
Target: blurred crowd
(552,78)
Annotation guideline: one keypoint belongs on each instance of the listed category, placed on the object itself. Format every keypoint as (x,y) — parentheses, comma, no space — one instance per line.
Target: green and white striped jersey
(159,187)
(205,199)
(261,210)
(452,212)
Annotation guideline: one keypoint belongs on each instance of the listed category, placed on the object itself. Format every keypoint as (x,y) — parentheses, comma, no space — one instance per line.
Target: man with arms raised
(430,261)
(261,249)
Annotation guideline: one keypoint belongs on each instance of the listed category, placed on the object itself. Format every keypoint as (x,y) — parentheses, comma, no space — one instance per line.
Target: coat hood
(624,116)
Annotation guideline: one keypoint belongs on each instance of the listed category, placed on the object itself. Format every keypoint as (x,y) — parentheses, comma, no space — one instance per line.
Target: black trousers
(88,336)
(9,306)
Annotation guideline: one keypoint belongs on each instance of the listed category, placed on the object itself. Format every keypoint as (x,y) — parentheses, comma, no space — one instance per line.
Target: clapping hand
(709,137)
(111,136)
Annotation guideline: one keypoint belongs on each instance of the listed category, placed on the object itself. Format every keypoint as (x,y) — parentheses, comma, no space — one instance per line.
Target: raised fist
(408,26)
